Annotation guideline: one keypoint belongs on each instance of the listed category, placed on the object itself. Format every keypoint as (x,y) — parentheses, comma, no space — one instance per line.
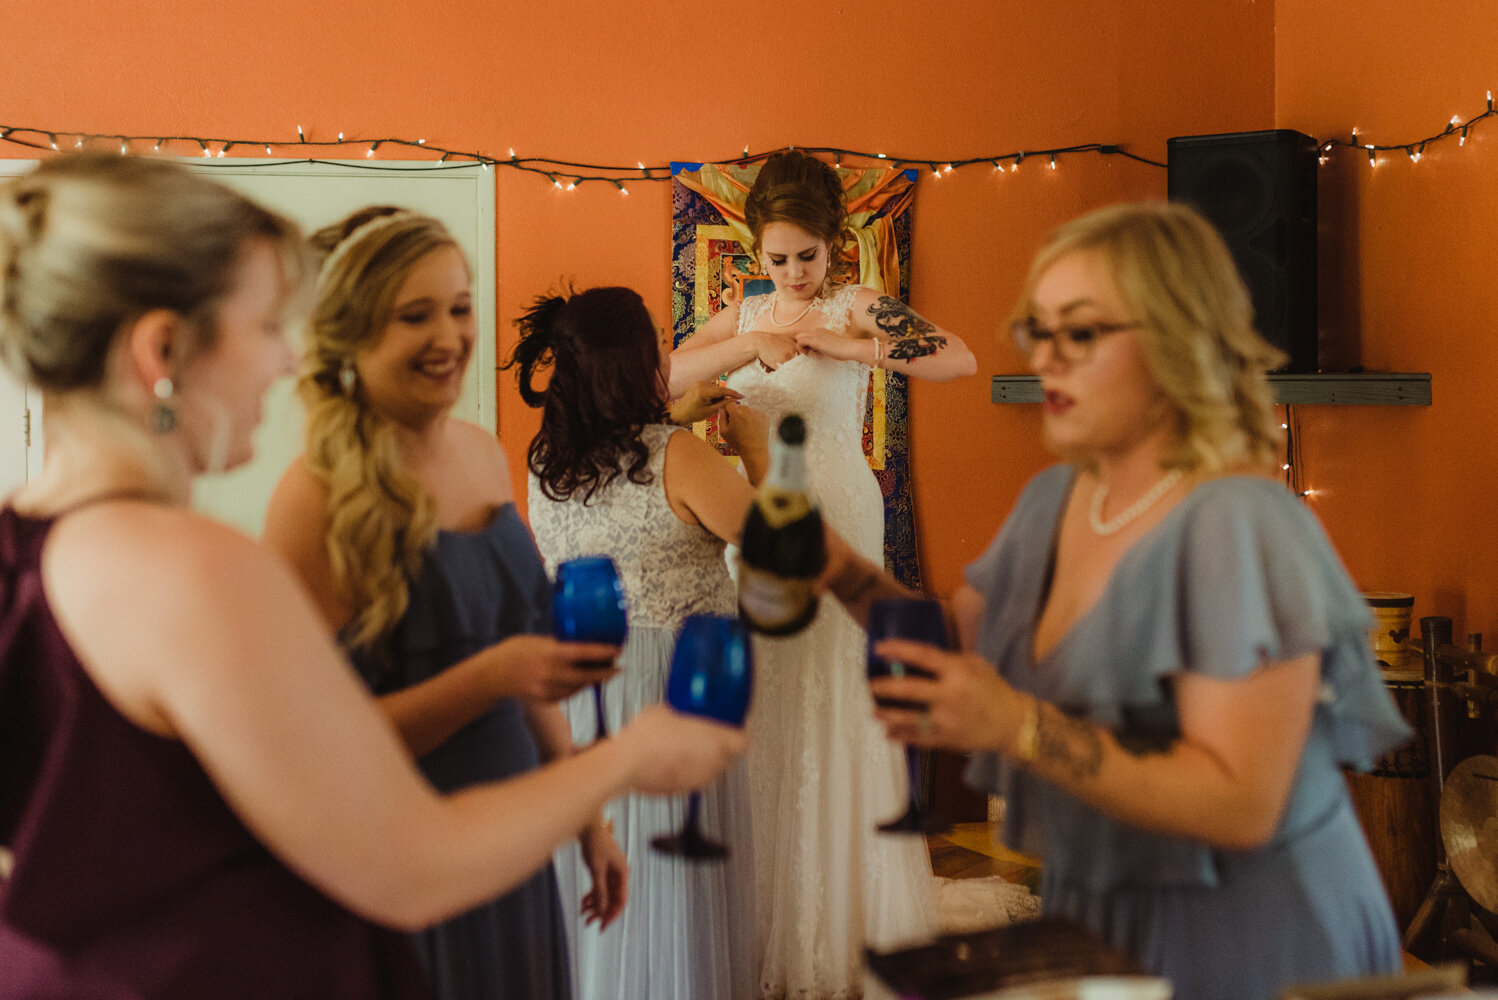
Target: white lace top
(670,569)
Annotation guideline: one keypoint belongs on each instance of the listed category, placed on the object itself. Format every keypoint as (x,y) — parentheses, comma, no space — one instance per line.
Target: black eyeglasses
(1071,342)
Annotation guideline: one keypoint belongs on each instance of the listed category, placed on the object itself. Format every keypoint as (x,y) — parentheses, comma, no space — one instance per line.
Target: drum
(1396,804)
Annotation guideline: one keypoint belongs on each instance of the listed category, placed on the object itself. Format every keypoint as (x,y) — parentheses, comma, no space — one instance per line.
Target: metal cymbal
(1469,827)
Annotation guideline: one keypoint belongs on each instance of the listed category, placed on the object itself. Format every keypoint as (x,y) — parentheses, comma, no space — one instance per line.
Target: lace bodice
(670,568)
(830,396)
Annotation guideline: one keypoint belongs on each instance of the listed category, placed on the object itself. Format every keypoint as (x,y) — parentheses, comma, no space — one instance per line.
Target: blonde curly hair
(1173,268)
(381,521)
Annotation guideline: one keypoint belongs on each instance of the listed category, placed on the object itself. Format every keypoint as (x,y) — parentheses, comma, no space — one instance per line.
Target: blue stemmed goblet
(919,619)
(712,675)
(587,605)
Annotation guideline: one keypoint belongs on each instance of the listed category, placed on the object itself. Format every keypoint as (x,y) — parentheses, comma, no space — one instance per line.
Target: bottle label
(781,507)
(772,603)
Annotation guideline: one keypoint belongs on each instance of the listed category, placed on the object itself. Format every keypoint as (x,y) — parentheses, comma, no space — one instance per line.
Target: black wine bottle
(783,550)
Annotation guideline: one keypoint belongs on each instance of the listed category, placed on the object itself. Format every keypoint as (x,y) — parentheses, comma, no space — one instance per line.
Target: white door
(315,194)
(20,406)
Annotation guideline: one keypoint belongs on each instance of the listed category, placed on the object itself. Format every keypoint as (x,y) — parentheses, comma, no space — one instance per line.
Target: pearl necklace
(793,320)
(1144,503)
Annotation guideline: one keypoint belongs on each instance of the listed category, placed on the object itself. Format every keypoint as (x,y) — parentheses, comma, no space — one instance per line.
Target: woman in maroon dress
(197,798)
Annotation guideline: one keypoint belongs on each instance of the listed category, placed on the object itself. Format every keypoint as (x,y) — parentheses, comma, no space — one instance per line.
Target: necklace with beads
(1130,513)
(794,319)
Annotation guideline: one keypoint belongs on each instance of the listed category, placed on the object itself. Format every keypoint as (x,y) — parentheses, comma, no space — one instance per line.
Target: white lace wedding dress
(821,773)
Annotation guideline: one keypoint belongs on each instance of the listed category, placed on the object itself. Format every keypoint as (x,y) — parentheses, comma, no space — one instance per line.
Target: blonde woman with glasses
(1168,665)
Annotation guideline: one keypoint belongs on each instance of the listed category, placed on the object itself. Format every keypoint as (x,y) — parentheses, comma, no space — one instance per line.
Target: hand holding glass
(587,605)
(919,619)
(712,675)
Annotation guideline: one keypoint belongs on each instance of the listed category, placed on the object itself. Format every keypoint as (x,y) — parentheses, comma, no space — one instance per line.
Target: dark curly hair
(798,188)
(606,386)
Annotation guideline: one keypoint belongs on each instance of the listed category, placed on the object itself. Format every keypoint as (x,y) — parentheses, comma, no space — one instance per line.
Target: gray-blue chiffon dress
(1239,572)
(475,589)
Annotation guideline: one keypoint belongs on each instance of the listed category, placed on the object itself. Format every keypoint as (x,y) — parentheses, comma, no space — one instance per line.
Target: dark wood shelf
(1341,388)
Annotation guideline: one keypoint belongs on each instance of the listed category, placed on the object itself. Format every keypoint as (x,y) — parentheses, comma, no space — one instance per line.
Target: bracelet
(878,351)
(1027,741)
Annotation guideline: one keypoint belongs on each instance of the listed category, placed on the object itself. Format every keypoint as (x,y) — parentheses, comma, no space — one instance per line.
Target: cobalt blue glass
(919,619)
(712,675)
(587,605)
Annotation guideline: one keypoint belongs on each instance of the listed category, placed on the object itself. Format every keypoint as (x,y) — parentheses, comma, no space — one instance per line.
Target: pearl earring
(163,417)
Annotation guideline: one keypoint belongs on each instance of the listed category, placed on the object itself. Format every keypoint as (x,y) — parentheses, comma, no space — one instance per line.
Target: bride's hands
(823,341)
(774,349)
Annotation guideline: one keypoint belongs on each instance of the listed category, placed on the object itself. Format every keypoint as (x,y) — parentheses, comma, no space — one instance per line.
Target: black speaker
(1259,190)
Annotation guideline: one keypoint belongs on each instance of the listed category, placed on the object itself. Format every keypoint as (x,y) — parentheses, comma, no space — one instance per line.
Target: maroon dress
(132,878)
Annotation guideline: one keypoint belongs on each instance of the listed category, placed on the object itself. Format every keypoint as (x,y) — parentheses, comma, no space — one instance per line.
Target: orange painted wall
(1409,256)
(657,80)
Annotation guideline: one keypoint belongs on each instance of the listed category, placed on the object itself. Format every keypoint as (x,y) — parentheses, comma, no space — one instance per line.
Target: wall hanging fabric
(711,265)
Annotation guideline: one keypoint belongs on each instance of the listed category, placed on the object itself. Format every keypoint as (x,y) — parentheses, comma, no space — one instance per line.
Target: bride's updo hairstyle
(381,522)
(606,386)
(800,189)
(90,241)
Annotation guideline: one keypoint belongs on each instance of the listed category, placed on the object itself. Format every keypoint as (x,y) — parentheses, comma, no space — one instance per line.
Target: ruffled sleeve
(1255,579)
(1238,574)
(475,588)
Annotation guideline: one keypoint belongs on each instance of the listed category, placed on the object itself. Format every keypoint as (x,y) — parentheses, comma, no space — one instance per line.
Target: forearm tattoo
(1074,745)
(911,335)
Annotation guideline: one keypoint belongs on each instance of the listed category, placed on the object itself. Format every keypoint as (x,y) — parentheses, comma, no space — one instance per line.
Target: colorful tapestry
(711,264)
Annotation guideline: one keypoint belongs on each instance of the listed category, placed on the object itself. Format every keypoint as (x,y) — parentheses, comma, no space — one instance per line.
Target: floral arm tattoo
(911,336)
(1075,745)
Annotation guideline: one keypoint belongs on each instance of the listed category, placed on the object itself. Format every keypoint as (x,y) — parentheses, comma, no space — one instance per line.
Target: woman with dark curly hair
(609,476)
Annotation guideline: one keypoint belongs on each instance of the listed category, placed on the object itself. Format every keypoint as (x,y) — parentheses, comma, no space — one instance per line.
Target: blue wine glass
(587,605)
(919,619)
(712,675)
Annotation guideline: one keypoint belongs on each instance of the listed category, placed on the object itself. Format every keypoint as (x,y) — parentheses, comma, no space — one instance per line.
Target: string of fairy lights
(568,175)
(1292,465)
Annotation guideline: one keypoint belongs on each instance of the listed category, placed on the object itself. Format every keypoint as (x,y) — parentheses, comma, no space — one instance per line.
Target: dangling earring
(348,376)
(163,417)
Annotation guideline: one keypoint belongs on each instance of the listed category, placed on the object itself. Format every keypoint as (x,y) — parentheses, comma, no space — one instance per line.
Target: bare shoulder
(297,518)
(693,466)
(684,446)
(479,451)
(145,591)
(164,549)
(299,491)
(476,441)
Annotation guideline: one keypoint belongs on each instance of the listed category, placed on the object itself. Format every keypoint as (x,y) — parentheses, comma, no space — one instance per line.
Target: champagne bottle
(783,550)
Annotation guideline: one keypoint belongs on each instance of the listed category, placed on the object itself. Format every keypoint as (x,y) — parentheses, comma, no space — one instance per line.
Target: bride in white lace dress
(821,773)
